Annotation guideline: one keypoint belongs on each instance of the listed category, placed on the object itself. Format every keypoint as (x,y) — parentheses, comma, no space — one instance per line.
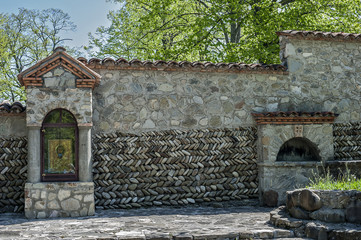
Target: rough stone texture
(336,199)
(58,94)
(13,173)
(337,206)
(134,101)
(284,176)
(12,126)
(309,200)
(353,211)
(329,215)
(299,213)
(52,200)
(324,76)
(174,167)
(314,229)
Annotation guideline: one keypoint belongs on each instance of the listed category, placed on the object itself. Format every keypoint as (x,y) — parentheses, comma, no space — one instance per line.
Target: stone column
(34,154)
(85,157)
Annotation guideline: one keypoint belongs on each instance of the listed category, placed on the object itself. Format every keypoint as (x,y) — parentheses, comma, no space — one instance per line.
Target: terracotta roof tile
(317,35)
(7,108)
(136,64)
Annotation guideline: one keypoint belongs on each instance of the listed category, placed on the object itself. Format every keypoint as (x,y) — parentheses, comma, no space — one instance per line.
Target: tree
(215,30)
(31,35)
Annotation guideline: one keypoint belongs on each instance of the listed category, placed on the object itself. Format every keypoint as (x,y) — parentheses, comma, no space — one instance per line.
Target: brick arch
(61,104)
(279,134)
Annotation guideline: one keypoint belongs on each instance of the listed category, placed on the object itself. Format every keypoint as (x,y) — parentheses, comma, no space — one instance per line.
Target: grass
(326,181)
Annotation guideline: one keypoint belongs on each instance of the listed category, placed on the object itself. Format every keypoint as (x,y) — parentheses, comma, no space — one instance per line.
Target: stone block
(329,215)
(39,205)
(41,215)
(353,212)
(309,201)
(342,235)
(63,194)
(316,231)
(70,204)
(297,212)
(283,233)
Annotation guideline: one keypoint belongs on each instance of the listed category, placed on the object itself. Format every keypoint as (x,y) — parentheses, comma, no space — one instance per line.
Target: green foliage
(347,181)
(215,30)
(30,36)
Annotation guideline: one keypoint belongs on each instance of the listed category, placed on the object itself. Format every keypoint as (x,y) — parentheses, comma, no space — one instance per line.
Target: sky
(87,15)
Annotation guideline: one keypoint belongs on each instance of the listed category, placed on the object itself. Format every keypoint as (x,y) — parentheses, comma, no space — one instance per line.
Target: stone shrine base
(63,199)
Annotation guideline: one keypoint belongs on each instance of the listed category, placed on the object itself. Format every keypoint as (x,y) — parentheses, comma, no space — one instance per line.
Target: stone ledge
(314,229)
(325,205)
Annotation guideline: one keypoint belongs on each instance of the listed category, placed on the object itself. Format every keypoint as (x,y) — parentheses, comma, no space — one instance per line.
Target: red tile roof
(11,109)
(135,64)
(317,35)
(33,75)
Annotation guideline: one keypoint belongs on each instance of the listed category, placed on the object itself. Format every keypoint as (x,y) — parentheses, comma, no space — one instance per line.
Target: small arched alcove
(298,149)
(59,147)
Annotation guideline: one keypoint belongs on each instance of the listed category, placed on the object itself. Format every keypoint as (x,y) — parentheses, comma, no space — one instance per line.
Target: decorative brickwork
(13,169)
(294,117)
(174,167)
(347,141)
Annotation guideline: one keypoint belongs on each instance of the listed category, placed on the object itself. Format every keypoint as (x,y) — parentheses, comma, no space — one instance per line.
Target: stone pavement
(228,220)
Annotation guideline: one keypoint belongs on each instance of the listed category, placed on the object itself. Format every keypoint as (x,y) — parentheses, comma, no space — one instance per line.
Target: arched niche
(298,149)
(59,147)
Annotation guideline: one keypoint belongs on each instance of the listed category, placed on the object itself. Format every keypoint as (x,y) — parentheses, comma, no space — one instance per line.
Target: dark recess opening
(298,149)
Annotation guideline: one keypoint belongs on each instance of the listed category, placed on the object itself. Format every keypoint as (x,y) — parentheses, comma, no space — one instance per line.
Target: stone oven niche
(298,149)
(292,147)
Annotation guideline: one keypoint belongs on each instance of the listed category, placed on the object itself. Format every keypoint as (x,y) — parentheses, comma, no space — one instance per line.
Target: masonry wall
(324,76)
(13,162)
(174,167)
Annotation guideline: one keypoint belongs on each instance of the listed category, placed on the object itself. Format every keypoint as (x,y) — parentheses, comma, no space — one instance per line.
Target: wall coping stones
(184,66)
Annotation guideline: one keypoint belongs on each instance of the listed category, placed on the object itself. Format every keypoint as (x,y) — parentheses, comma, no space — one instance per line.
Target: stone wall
(12,126)
(174,167)
(59,91)
(135,101)
(51,200)
(13,173)
(324,75)
(347,141)
(334,206)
